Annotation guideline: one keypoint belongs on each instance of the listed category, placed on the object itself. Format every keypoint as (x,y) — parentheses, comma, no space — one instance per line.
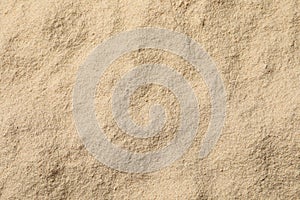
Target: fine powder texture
(255,46)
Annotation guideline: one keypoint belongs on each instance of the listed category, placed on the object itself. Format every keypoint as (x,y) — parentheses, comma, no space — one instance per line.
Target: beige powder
(255,45)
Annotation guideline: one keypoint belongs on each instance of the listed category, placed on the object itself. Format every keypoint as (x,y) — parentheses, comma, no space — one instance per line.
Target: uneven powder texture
(255,45)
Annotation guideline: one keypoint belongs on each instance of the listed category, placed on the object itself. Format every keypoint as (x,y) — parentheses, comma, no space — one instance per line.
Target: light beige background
(255,45)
